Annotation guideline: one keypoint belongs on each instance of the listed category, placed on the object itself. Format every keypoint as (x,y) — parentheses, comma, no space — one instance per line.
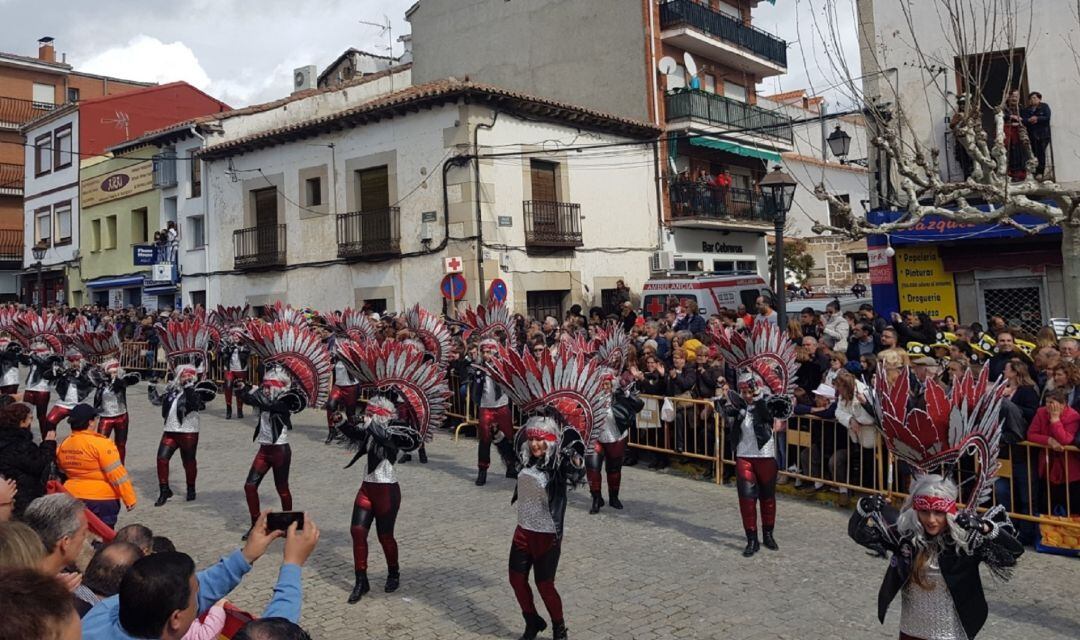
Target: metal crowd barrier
(134,356)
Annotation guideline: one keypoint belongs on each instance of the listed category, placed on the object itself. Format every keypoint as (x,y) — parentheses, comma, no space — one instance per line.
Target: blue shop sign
(934,228)
(144,254)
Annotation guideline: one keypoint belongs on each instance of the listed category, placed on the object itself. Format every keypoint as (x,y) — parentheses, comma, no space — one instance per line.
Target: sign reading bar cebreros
(117,184)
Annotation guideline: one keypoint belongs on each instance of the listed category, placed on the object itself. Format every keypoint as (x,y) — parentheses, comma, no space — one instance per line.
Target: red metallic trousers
(40,401)
(755,479)
(188,444)
(270,456)
(230,377)
(379,502)
(540,553)
(119,425)
(492,419)
(611,454)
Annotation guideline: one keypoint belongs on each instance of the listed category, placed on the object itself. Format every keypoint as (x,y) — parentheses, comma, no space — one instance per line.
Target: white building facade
(358,197)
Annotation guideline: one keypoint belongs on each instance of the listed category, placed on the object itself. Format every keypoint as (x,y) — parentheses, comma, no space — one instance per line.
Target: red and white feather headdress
(768,354)
(9,317)
(569,382)
(432,332)
(612,346)
(399,367)
(184,340)
(228,320)
(98,346)
(48,328)
(298,349)
(282,312)
(484,321)
(353,325)
(963,421)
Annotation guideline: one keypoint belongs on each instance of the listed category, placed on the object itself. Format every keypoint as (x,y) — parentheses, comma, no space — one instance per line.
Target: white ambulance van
(711,292)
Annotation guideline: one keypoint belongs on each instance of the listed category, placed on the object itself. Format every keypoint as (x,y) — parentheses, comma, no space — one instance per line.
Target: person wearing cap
(92,465)
(822,433)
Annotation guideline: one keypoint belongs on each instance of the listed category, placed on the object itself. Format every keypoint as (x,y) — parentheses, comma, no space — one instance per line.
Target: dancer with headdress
(347,325)
(297,375)
(611,348)
(185,344)
(102,347)
(766,367)
(10,349)
(565,402)
(435,341)
(72,383)
(233,353)
(409,399)
(42,338)
(936,547)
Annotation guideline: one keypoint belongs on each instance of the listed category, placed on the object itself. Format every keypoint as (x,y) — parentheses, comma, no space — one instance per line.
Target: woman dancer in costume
(410,398)
(102,347)
(233,353)
(936,548)
(297,376)
(347,325)
(185,344)
(565,401)
(766,381)
(44,339)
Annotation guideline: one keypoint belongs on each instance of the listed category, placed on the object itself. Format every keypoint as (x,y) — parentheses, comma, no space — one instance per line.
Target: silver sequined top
(71,398)
(234,361)
(35,381)
(10,376)
(532,503)
(191,419)
(111,406)
(342,378)
(488,399)
(266,431)
(930,614)
(383,474)
(609,431)
(747,447)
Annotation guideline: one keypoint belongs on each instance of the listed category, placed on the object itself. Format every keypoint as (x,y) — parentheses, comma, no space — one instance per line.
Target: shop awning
(734,147)
(116,283)
(160,290)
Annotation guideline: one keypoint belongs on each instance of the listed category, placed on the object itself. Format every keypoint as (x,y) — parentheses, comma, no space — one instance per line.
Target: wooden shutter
(374,186)
(543,181)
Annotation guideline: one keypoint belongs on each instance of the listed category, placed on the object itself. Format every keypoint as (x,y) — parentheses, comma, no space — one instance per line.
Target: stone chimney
(46,52)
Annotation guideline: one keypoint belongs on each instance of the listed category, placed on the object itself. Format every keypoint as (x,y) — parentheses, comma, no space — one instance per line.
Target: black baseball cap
(82,414)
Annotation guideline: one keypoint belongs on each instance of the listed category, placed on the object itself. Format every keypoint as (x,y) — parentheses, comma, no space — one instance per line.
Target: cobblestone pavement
(668,566)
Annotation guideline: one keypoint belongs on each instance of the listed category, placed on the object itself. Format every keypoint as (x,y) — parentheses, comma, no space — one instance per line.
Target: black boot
(405,457)
(240,413)
(190,493)
(422,455)
(597,502)
(481,477)
(360,588)
(558,631)
(752,544)
(768,540)
(511,472)
(330,434)
(534,624)
(613,499)
(393,580)
(228,412)
(164,495)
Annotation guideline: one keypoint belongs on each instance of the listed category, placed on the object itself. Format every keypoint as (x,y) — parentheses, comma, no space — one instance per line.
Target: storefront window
(690,266)
(723,266)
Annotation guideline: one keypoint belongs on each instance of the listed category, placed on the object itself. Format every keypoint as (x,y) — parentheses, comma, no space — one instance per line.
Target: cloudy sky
(244,51)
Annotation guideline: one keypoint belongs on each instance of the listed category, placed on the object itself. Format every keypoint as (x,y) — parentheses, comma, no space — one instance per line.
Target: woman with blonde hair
(20,547)
(854,413)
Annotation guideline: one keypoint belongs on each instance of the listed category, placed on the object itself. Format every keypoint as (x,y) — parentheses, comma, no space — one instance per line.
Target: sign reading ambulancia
(117,184)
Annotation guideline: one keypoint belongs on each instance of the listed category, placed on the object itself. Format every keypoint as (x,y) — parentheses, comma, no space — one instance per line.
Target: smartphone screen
(280,520)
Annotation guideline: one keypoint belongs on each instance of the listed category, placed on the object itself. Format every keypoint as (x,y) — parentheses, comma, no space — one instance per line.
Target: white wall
(32,186)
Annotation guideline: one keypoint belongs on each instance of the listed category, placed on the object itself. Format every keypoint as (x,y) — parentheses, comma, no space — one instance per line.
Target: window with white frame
(44,93)
(43,225)
(197,231)
(734,91)
(62,220)
(62,147)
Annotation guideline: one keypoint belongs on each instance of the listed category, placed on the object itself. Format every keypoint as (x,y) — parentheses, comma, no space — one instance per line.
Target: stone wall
(832,262)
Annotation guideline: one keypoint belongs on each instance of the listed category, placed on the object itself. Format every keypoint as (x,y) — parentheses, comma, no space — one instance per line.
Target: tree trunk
(1070,270)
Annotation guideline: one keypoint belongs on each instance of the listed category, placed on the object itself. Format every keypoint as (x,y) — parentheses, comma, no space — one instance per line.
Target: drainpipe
(479,222)
(203,193)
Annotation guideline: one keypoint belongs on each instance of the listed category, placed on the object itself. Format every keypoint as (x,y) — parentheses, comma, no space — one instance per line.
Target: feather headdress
(29,327)
(229,318)
(184,340)
(9,316)
(432,331)
(352,324)
(484,321)
(612,346)
(282,312)
(298,349)
(569,382)
(98,346)
(963,421)
(398,367)
(767,353)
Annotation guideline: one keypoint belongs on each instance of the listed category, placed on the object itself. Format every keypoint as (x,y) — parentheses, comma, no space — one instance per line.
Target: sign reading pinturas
(117,184)
(924,284)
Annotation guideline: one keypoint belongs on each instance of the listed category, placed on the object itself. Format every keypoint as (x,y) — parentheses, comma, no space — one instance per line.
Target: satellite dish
(667,65)
(691,66)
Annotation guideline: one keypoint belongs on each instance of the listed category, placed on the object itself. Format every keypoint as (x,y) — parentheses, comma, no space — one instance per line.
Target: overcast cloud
(244,51)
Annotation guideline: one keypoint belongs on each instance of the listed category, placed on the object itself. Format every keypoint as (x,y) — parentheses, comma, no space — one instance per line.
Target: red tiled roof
(438,92)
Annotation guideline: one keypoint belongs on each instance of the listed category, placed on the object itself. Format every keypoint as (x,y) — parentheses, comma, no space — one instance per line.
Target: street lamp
(779,189)
(39,254)
(839,143)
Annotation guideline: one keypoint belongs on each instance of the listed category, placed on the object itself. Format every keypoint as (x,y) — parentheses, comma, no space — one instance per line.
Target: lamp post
(39,254)
(839,143)
(779,188)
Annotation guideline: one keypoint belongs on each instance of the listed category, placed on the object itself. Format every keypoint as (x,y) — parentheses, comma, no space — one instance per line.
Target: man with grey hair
(1070,349)
(60,522)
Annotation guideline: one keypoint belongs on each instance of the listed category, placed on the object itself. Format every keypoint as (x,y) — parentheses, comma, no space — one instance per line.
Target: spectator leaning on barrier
(854,413)
(1056,425)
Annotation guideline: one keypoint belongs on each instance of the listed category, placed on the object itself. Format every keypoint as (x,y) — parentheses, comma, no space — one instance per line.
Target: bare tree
(910,162)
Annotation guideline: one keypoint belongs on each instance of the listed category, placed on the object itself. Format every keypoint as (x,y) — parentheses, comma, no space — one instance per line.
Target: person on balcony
(1037,121)
(1017,155)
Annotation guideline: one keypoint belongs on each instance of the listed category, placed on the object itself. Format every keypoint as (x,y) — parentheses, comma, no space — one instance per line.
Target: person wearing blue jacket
(161,594)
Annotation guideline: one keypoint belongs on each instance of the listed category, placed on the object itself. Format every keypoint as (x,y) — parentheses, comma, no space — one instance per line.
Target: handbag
(624,408)
(667,411)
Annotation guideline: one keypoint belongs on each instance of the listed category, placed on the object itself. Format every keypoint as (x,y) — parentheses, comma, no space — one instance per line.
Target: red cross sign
(453,265)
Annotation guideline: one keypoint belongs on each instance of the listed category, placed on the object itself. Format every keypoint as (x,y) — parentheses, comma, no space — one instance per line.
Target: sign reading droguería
(924,284)
(117,184)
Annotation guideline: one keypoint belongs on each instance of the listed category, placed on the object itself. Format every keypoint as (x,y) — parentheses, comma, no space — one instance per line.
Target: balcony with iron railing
(691,200)
(11,179)
(746,119)
(555,225)
(257,247)
(366,234)
(15,112)
(717,36)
